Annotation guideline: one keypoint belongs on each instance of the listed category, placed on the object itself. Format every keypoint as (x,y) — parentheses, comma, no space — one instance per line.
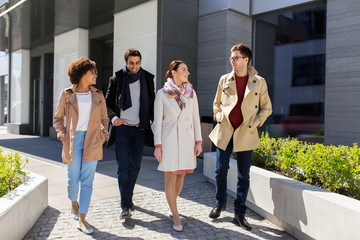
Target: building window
(289,52)
(309,70)
(309,109)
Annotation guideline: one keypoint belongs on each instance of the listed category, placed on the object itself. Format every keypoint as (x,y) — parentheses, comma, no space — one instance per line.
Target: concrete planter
(302,210)
(21,208)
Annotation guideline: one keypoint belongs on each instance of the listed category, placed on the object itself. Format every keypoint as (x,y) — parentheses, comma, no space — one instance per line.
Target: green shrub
(336,168)
(11,165)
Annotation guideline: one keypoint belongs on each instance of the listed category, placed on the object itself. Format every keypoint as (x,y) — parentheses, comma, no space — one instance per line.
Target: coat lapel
(71,98)
(230,83)
(95,99)
(174,104)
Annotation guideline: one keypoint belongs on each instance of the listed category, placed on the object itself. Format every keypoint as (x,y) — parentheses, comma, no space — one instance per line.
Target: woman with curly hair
(82,136)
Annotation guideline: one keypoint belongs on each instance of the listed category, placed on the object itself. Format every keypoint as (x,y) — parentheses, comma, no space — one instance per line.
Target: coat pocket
(253,124)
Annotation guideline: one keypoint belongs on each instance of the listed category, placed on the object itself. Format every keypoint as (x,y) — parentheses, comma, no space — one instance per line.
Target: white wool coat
(177,131)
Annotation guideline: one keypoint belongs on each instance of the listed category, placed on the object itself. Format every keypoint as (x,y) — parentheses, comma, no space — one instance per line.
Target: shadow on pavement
(45,224)
(190,224)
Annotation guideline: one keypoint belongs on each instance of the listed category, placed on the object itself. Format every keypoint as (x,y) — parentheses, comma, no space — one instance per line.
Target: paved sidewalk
(149,221)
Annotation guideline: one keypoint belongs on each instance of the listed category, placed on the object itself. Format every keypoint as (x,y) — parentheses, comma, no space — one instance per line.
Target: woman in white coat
(177,133)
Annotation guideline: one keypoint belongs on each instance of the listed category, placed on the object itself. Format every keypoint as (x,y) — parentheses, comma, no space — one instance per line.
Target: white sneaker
(85,230)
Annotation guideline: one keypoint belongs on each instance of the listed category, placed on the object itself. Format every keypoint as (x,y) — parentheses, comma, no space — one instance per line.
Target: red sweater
(236,117)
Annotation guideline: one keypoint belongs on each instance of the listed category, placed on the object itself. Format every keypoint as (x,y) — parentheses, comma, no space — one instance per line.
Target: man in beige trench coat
(239,96)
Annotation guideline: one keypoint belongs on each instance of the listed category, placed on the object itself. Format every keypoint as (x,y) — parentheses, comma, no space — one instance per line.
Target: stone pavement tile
(150,220)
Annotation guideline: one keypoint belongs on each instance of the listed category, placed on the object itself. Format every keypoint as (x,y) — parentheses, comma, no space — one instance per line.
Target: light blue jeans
(80,172)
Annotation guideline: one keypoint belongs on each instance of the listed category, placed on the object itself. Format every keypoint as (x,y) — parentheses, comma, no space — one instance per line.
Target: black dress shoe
(215,212)
(241,221)
(132,207)
(125,213)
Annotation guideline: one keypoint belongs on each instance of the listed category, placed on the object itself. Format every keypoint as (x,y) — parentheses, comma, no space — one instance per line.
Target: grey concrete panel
(342,74)
(336,7)
(70,14)
(20,27)
(178,28)
(177,37)
(352,38)
(343,65)
(336,140)
(345,98)
(123,5)
(218,32)
(174,52)
(210,6)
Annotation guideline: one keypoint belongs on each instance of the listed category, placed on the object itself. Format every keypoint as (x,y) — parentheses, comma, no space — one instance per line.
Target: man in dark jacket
(130,104)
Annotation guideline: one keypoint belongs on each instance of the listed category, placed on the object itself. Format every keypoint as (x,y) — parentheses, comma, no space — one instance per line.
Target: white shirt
(84,103)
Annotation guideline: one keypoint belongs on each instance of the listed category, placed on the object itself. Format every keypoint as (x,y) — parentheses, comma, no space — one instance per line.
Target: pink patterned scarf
(179,93)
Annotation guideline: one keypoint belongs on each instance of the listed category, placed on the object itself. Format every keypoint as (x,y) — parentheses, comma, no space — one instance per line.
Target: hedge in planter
(335,168)
(11,165)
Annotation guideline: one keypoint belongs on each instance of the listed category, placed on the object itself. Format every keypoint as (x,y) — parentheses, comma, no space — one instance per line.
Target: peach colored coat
(97,131)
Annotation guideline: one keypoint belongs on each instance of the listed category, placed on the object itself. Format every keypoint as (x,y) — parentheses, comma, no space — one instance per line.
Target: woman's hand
(198,149)
(157,154)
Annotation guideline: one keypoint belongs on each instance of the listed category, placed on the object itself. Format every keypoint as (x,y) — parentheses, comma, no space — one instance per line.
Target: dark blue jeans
(243,175)
(129,145)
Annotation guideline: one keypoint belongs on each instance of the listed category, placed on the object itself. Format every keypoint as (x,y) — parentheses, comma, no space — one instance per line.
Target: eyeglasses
(236,58)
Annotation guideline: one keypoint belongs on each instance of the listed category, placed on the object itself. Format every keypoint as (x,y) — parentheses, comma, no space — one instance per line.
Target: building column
(20,87)
(221,25)
(68,47)
(140,34)
(19,71)
(342,83)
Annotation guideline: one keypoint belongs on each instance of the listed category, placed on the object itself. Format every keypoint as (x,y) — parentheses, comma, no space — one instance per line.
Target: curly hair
(78,68)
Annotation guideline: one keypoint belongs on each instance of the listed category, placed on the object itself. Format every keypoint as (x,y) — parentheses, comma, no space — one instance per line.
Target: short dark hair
(174,65)
(244,50)
(78,68)
(131,52)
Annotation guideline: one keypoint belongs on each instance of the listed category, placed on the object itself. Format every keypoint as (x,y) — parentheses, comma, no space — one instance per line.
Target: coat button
(254,81)
(255,106)
(223,90)
(220,103)
(249,126)
(256,93)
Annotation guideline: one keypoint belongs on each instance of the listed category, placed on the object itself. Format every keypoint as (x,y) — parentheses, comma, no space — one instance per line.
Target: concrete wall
(177,37)
(22,207)
(217,33)
(342,85)
(210,6)
(20,87)
(4,63)
(302,210)
(136,27)
(262,6)
(68,47)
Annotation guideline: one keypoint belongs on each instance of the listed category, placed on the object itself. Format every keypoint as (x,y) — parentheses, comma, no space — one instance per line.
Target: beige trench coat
(256,96)
(97,131)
